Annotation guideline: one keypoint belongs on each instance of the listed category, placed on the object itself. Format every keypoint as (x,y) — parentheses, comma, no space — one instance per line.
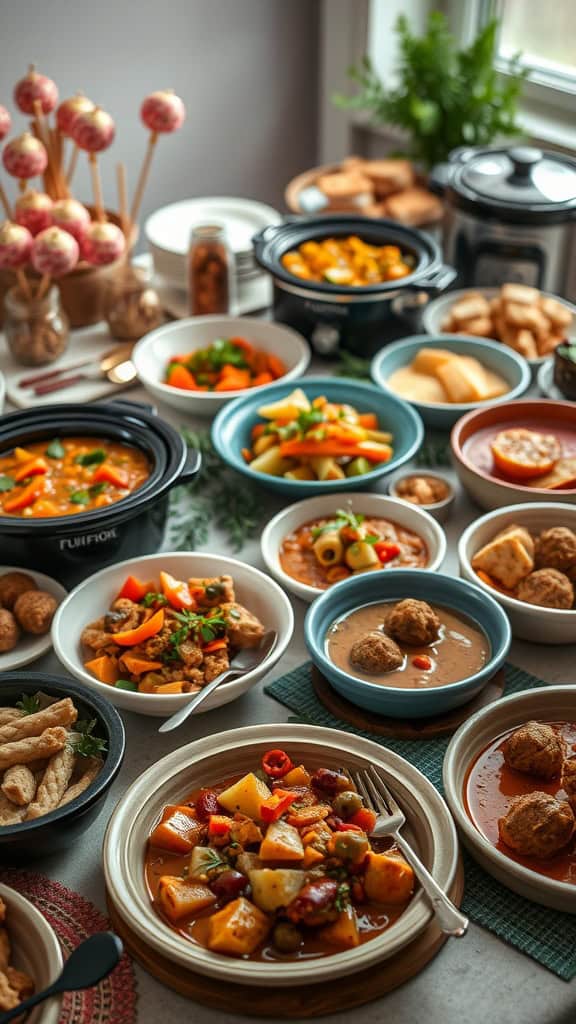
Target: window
(546,42)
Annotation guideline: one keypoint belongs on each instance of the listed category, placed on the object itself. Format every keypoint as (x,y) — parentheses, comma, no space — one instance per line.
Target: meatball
(9,632)
(546,587)
(556,549)
(376,652)
(413,622)
(12,584)
(35,611)
(537,825)
(569,780)
(536,749)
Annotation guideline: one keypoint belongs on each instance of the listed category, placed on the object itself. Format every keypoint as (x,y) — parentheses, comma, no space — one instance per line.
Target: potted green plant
(445,96)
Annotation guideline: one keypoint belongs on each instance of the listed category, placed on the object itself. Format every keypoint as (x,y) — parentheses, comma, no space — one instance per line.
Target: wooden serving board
(404,728)
(298,1002)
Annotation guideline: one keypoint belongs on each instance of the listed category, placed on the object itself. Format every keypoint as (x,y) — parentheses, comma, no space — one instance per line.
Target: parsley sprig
(152,597)
(29,703)
(88,745)
(197,627)
(352,519)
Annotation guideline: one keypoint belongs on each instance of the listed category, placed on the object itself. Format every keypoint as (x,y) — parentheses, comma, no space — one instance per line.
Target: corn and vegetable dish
(348,261)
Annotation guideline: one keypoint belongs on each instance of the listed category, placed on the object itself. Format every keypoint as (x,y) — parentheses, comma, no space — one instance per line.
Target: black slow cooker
(72,547)
(361,319)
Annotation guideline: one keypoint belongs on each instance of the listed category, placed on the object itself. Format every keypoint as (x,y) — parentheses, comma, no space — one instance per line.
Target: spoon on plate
(115,365)
(244,661)
(88,964)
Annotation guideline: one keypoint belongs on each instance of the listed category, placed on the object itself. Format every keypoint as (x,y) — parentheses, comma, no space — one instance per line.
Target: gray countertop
(472,980)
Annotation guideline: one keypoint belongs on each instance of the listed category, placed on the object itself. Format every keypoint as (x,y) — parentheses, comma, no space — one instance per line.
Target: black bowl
(59,828)
(74,546)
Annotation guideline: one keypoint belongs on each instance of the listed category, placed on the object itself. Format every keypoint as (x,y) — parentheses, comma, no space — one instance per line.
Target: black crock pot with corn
(71,546)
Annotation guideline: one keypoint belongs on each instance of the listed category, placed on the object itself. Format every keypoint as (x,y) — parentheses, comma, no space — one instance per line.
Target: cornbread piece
(12,584)
(479,327)
(519,315)
(388,176)
(521,340)
(9,631)
(54,783)
(91,771)
(32,747)
(62,712)
(522,534)
(10,814)
(345,189)
(521,293)
(537,825)
(469,307)
(414,206)
(19,785)
(556,549)
(505,559)
(560,316)
(376,652)
(547,588)
(563,475)
(413,623)
(535,749)
(35,610)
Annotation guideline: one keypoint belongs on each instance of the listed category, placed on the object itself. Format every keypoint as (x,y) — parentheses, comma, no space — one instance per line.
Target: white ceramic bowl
(154,350)
(290,518)
(36,951)
(434,314)
(93,597)
(218,757)
(528,621)
(30,647)
(545,704)
(439,510)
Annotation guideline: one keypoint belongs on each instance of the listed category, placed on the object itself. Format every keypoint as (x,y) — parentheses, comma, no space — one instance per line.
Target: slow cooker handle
(437,281)
(126,405)
(191,467)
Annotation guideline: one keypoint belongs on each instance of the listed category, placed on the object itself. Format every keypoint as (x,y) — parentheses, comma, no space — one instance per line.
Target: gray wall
(246,70)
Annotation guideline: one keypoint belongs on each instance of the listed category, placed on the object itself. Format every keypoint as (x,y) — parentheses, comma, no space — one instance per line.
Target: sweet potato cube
(388,879)
(245,796)
(179,831)
(296,777)
(237,929)
(182,898)
(281,842)
(344,931)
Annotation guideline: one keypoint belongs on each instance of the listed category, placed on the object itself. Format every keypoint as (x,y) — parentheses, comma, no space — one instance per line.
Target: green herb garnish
(342,896)
(55,449)
(125,684)
(152,597)
(308,418)
(217,355)
(92,458)
(88,745)
(6,483)
(352,366)
(29,703)
(345,518)
(80,497)
(196,627)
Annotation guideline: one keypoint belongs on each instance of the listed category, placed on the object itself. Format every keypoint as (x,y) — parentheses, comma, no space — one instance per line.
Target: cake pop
(161,112)
(93,130)
(5,122)
(25,157)
(15,245)
(34,88)
(103,243)
(54,252)
(72,217)
(68,112)
(34,211)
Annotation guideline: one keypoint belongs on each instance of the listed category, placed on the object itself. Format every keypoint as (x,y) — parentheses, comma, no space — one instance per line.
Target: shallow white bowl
(93,597)
(290,518)
(36,951)
(216,758)
(154,350)
(528,621)
(545,704)
(30,647)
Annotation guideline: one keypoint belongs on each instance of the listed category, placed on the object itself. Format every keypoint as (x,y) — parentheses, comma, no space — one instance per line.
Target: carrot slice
(111,475)
(138,666)
(181,377)
(36,467)
(27,496)
(104,668)
(131,637)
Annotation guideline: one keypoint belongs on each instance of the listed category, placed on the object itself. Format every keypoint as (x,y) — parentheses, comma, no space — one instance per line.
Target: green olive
(347,803)
(350,845)
(286,937)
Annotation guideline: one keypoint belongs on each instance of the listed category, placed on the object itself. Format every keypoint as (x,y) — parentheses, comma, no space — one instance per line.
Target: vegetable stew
(228,364)
(348,261)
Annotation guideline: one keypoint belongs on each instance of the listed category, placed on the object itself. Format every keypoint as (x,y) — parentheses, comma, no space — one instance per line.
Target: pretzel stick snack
(62,712)
(9,714)
(32,747)
(54,783)
(10,814)
(92,770)
(19,785)
(20,981)
(5,947)
(9,997)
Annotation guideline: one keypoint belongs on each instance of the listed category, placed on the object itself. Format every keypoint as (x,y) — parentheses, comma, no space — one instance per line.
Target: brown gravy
(461,649)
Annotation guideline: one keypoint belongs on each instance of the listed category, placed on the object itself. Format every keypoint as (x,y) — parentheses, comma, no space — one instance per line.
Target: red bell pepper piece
(135,590)
(274,807)
(177,592)
(365,819)
(276,763)
(110,475)
(219,825)
(131,637)
(36,467)
(386,550)
(422,661)
(27,496)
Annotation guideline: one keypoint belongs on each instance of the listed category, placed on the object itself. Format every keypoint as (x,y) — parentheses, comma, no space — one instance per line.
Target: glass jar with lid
(36,328)
(210,271)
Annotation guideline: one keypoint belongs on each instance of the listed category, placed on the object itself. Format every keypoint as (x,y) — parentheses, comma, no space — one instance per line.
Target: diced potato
(388,879)
(281,842)
(237,929)
(247,862)
(344,931)
(271,462)
(427,360)
(301,473)
(326,468)
(464,380)
(179,831)
(180,897)
(287,408)
(201,860)
(296,777)
(245,796)
(275,887)
(505,559)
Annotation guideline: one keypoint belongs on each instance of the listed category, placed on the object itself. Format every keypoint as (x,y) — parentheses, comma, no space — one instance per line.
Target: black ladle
(91,961)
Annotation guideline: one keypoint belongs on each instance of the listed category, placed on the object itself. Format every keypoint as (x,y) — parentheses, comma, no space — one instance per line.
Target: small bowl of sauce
(431,491)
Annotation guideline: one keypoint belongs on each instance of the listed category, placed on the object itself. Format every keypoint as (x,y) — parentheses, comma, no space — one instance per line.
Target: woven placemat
(74,918)
(547,936)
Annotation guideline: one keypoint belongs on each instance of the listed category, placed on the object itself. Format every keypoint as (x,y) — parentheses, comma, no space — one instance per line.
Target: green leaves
(6,483)
(29,703)
(93,458)
(55,449)
(445,97)
(352,366)
(88,745)
(213,358)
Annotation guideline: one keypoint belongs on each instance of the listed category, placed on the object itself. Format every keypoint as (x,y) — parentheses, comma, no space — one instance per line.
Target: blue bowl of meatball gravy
(407,643)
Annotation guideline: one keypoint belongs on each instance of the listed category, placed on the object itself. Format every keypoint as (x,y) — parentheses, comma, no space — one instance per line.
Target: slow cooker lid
(519,178)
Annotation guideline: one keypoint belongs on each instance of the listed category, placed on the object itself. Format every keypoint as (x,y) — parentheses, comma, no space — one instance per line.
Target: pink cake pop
(103,243)
(68,112)
(93,130)
(35,88)
(163,111)
(54,252)
(72,217)
(15,245)
(5,122)
(25,157)
(34,211)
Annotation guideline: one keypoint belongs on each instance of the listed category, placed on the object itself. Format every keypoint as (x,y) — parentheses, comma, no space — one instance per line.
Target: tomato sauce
(478,451)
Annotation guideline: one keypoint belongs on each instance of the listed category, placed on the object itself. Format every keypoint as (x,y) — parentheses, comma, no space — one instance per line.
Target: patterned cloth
(548,936)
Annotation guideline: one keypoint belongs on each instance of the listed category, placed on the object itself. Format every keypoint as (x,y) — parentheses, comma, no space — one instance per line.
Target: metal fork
(388,823)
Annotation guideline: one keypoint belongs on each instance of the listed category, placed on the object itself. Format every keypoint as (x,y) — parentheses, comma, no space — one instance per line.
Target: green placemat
(548,936)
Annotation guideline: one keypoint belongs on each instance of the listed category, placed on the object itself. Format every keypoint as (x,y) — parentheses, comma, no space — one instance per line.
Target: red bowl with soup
(517,452)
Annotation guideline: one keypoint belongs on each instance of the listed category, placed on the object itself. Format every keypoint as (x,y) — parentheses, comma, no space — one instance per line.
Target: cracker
(53,784)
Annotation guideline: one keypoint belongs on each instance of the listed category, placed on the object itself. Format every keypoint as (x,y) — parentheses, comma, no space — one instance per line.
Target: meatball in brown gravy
(535,749)
(548,588)
(376,652)
(413,623)
(537,825)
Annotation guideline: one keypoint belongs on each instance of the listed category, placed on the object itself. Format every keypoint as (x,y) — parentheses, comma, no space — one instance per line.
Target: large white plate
(30,647)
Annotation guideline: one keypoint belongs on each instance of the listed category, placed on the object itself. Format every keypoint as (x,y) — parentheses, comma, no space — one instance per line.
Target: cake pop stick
(94,131)
(15,248)
(54,253)
(162,112)
(24,157)
(5,203)
(123,199)
(65,116)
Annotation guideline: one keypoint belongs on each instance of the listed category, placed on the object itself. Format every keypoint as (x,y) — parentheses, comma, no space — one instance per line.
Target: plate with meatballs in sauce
(28,602)
(510,781)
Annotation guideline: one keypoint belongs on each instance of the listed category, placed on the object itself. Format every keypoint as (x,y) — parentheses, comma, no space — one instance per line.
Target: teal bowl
(231,431)
(395,585)
(443,415)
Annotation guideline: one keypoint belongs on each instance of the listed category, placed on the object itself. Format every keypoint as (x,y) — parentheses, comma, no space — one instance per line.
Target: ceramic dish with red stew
(276,865)
(227,364)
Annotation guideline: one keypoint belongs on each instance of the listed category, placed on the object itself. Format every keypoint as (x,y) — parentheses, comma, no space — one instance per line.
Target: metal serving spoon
(88,964)
(118,368)
(243,662)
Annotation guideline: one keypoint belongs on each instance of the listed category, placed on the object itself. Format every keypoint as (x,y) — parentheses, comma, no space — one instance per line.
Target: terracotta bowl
(470,439)
(36,951)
